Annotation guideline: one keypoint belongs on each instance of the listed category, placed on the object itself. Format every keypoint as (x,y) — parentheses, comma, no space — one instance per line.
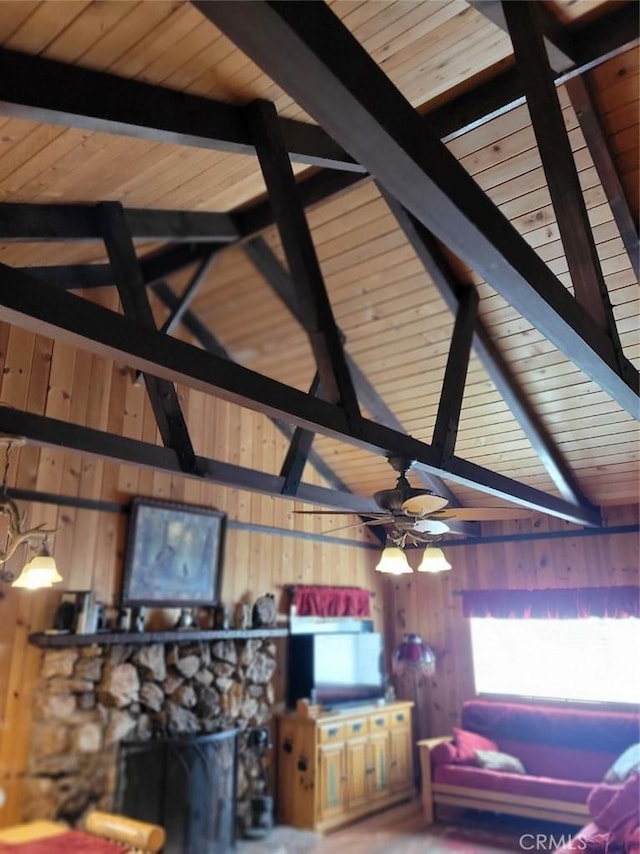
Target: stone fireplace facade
(90,698)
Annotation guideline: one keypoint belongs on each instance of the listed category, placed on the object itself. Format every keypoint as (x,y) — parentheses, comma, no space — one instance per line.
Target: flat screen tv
(336,669)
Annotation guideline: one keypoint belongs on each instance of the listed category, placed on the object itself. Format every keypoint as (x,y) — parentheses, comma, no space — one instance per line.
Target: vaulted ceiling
(462,290)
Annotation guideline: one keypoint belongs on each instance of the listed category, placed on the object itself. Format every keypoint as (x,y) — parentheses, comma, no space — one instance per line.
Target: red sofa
(565,752)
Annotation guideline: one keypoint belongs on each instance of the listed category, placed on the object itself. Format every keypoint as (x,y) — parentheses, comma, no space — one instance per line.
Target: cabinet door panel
(401,759)
(357,756)
(378,765)
(332,780)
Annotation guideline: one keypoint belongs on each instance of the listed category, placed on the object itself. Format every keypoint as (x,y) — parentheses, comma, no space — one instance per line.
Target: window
(594,659)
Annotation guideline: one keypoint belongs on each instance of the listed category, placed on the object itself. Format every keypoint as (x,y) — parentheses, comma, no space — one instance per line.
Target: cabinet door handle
(333,730)
(379,721)
(357,727)
(370,770)
(400,716)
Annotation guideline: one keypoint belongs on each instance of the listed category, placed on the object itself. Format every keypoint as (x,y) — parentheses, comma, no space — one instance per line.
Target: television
(336,669)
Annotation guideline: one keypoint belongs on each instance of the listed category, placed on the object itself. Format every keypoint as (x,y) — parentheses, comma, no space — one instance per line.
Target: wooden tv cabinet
(343,765)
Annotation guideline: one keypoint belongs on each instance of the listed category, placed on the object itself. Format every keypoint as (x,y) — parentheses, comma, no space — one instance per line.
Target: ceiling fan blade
(430,526)
(371,522)
(333,513)
(423,505)
(483,514)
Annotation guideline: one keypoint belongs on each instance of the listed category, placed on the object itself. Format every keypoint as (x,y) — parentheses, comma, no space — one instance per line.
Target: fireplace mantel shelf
(48,641)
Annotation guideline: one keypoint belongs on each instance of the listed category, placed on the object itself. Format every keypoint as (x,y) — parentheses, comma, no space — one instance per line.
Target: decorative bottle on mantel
(87,613)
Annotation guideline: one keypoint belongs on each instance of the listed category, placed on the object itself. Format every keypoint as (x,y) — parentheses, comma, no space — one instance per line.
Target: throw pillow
(624,765)
(493,760)
(468,742)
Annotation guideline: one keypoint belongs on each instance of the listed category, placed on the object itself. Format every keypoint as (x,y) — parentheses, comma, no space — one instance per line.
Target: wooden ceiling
(397,327)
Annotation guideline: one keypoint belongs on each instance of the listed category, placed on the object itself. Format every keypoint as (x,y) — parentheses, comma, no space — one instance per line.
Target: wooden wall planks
(427,604)
(44,377)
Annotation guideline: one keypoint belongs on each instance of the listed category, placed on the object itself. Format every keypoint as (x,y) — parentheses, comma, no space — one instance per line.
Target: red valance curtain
(558,603)
(320,601)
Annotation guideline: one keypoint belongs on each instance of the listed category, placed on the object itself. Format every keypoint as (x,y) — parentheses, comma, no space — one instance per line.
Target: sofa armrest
(425,746)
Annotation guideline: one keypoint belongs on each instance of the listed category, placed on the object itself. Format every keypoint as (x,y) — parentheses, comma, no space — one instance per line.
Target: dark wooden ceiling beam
(317,314)
(445,431)
(596,139)
(135,303)
(51,432)
(34,305)
(311,54)
(275,274)
(298,450)
(186,298)
(558,59)
(203,335)
(523,22)
(44,90)
(445,280)
(28,223)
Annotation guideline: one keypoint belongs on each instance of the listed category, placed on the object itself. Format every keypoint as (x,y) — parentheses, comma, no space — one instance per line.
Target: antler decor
(8,507)
(16,535)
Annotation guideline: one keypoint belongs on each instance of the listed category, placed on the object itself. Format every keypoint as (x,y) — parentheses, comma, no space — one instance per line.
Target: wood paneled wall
(54,379)
(428,604)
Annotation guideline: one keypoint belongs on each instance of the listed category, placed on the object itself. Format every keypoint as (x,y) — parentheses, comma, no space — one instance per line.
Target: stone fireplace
(90,698)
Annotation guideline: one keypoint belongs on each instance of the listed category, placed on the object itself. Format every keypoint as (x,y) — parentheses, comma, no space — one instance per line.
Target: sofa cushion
(624,765)
(553,760)
(493,760)
(443,753)
(609,732)
(513,784)
(468,742)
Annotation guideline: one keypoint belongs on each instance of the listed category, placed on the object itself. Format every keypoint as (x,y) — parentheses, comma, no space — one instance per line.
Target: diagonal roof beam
(445,431)
(494,12)
(438,268)
(44,90)
(305,49)
(280,281)
(559,166)
(582,101)
(135,303)
(319,322)
(186,298)
(209,342)
(36,306)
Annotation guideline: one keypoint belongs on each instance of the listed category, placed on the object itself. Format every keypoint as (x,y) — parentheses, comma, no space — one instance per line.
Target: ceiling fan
(418,515)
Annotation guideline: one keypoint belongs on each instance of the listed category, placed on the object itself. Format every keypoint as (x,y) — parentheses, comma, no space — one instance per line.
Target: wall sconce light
(40,571)
(433,560)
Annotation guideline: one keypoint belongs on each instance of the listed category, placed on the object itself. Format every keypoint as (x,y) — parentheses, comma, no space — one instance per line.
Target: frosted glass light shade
(41,571)
(434,560)
(393,561)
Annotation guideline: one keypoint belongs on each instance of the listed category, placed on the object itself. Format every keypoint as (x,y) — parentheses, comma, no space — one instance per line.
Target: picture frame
(173,555)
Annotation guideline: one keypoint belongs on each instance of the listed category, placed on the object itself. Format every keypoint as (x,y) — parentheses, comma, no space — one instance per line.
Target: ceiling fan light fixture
(434,560)
(393,561)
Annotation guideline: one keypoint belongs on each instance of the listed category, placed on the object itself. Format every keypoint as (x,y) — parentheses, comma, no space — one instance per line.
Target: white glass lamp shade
(434,560)
(393,561)
(41,571)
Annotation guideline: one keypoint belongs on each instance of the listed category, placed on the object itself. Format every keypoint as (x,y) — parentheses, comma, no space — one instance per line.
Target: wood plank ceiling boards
(528,397)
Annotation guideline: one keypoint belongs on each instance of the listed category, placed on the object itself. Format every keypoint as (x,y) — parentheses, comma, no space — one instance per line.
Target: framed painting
(174,555)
